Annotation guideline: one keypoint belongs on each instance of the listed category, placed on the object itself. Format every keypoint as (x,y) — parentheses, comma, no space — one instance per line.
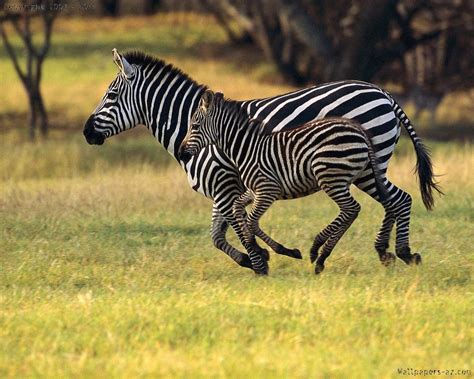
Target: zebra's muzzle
(93,137)
(184,154)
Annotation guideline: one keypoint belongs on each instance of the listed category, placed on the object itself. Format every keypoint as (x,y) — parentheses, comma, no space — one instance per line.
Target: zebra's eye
(194,126)
(112,96)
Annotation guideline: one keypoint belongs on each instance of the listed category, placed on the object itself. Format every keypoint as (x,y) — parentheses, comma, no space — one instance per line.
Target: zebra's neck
(240,136)
(168,100)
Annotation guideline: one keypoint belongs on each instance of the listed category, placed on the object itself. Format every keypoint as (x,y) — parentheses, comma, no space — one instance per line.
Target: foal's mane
(236,110)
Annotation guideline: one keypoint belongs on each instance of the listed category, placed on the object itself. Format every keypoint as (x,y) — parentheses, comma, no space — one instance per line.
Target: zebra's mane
(236,110)
(139,58)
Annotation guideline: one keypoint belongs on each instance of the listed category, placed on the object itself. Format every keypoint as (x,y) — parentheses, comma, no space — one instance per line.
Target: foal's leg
(262,201)
(349,209)
(274,245)
(247,198)
(219,228)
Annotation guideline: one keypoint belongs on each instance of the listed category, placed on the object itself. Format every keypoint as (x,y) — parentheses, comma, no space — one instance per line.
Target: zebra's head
(203,126)
(117,110)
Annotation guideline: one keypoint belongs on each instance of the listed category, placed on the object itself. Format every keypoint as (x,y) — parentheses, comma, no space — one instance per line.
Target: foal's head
(204,124)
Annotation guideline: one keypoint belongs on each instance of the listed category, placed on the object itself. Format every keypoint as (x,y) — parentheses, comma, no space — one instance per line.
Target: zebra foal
(327,154)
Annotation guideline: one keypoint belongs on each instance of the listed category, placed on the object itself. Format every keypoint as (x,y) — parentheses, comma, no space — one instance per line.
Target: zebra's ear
(207,99)
(122,64)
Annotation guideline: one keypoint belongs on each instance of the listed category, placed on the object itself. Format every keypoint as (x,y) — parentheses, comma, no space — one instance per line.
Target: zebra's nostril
(92,136)
(184,155)
(89,125)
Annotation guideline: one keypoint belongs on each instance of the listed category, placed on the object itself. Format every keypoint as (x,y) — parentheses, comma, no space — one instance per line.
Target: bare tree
(20,17)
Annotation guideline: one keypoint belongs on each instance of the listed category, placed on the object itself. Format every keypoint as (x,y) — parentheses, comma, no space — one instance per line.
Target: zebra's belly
(289,196)
(299,184)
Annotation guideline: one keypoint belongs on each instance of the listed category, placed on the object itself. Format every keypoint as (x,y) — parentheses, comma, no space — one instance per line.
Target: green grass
(107,268)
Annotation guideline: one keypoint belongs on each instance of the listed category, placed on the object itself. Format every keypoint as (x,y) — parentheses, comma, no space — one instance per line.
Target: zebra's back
(317,153)
(363,102)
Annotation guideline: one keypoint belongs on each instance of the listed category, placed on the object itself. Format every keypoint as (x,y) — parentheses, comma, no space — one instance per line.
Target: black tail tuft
(424,168)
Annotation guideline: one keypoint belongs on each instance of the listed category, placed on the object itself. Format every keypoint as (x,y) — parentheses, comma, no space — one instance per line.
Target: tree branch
(13,56)
(48,19)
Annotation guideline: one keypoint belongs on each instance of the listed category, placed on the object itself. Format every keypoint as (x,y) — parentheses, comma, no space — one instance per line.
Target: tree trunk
(358,60)
(32,117)
(30,76)
(110,7)
(42,115)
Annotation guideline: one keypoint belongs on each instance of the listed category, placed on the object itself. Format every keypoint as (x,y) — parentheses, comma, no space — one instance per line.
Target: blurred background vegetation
(419,50)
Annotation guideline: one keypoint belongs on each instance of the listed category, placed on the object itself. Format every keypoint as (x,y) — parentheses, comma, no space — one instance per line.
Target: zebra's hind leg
(366,183)
(397,210)
(219,228)
(383,237)
(349,210)
(402,247)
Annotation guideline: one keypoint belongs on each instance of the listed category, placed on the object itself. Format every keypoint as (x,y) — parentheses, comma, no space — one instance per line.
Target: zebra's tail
(424,166)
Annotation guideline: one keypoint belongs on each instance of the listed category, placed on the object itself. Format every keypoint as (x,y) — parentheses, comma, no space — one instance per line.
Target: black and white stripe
(327,154)
(148,91)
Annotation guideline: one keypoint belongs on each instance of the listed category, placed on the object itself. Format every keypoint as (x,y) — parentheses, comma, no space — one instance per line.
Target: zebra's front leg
(274,245)
(262,201)
(247,198)
(219,228)
(225,205)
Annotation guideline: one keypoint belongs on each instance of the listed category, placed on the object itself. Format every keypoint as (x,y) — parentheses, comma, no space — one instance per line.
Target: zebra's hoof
(416,259)
(313,256)
(318,268)
(292,253)
(295,253)
(388,259)
(259,265)
(264,254)
(261,271)
(410,259)
(244,261)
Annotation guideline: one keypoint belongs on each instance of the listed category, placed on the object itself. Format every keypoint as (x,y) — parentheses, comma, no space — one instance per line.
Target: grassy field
(107,268)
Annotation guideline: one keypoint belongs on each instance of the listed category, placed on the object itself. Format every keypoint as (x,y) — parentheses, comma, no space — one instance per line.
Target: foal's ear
(122,64)
(207,99)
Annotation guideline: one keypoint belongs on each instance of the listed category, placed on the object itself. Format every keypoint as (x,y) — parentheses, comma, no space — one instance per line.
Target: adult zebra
(326,154)
(150,92)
